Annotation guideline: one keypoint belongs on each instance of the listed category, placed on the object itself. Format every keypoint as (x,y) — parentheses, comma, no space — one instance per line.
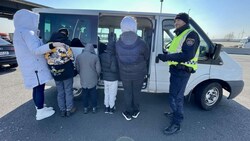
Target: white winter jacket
(29,49)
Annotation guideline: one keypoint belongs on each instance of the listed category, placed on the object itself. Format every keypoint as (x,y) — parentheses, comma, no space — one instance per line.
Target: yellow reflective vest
(176,47)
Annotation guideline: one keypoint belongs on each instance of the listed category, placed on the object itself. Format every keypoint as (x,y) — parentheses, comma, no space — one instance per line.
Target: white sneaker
(43,113)
(47,108)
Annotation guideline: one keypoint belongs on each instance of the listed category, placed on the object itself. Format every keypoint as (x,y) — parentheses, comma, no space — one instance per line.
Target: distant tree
(229,36)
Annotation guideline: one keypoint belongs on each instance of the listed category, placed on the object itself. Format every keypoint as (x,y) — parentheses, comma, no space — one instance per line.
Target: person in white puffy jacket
(30,57)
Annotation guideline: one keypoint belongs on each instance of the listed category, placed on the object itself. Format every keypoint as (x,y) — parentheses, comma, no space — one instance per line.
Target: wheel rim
(77,92)
(212,96)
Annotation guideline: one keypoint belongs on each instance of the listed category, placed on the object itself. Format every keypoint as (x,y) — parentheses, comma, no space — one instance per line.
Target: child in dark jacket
(110,74)
(132,55)
(60,61)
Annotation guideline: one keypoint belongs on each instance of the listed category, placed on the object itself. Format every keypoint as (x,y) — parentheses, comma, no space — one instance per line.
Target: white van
(245,42)
(216,70)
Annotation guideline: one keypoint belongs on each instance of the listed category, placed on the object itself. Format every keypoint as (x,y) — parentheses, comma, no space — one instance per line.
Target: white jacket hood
(25,19)
(30,50)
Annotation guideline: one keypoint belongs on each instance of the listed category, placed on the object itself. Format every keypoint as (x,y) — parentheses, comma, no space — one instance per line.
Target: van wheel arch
(13,65)
(208,94)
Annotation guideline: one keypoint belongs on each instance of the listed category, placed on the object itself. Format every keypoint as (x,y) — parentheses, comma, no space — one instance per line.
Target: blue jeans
(89,94)
(38,96)
(178,82)
(65,98)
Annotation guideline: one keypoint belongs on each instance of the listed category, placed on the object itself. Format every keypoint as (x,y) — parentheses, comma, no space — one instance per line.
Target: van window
(118,32)
(168,35)
(103,34)
(83,27)
(204,47)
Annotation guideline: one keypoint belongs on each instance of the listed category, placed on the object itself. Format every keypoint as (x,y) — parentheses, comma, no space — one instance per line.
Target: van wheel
(208,95)
(77,92)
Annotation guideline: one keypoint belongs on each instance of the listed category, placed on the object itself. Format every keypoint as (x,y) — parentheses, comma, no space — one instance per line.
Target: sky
(217,18)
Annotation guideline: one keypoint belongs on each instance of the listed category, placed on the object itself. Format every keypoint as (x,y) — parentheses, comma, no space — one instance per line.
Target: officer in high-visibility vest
(182,58)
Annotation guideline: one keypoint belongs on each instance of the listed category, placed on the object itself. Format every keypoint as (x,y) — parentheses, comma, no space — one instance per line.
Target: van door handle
(157,59)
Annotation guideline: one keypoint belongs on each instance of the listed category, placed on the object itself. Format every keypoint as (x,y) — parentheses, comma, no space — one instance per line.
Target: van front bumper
(236,88)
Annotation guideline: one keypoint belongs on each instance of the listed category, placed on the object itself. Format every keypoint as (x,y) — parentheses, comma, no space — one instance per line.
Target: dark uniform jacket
(188,50)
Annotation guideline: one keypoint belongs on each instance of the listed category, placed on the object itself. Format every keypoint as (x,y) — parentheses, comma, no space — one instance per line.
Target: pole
(161,5)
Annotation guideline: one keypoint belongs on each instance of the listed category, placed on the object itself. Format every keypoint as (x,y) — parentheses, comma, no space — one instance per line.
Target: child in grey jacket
(89,68)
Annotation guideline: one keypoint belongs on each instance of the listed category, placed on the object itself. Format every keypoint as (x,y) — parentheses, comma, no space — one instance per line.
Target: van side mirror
(217,50)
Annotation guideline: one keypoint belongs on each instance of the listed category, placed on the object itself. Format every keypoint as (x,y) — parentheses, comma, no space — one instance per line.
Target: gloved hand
(56,44)
(162,57)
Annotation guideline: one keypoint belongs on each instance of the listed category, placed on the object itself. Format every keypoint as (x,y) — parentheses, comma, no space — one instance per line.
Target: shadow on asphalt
(5,70)
(229,121)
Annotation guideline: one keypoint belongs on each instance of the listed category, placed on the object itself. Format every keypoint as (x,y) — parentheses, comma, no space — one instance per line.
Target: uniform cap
(183,16)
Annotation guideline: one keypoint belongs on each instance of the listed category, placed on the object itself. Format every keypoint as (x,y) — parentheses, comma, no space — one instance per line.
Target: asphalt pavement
(229,121)
(233,50)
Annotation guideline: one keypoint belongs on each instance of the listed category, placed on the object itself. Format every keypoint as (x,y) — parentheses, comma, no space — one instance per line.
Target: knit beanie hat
(128,23)
(64,30)
(183,16)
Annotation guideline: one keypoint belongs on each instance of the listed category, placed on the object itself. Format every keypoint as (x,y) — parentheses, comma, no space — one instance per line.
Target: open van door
(109,22)
(163,41)
(165,37)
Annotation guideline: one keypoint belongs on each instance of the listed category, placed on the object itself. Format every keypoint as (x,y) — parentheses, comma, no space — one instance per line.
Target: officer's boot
(173,128)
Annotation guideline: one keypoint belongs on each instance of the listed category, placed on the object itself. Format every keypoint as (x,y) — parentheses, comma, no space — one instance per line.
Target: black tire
(77,92)
(13,65)
(208,95)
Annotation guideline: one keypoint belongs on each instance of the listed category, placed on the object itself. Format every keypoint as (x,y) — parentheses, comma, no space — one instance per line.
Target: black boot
(169,114)
(173,128)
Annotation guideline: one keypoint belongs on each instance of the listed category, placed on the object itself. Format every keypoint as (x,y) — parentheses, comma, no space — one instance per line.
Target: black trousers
(89,94)
(178,82)
(132,89)
(38,96)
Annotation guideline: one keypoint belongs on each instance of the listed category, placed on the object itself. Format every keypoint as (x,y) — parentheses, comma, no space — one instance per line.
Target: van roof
(97,12)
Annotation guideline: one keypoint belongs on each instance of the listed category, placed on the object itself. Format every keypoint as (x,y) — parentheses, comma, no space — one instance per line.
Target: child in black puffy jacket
(60,61)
